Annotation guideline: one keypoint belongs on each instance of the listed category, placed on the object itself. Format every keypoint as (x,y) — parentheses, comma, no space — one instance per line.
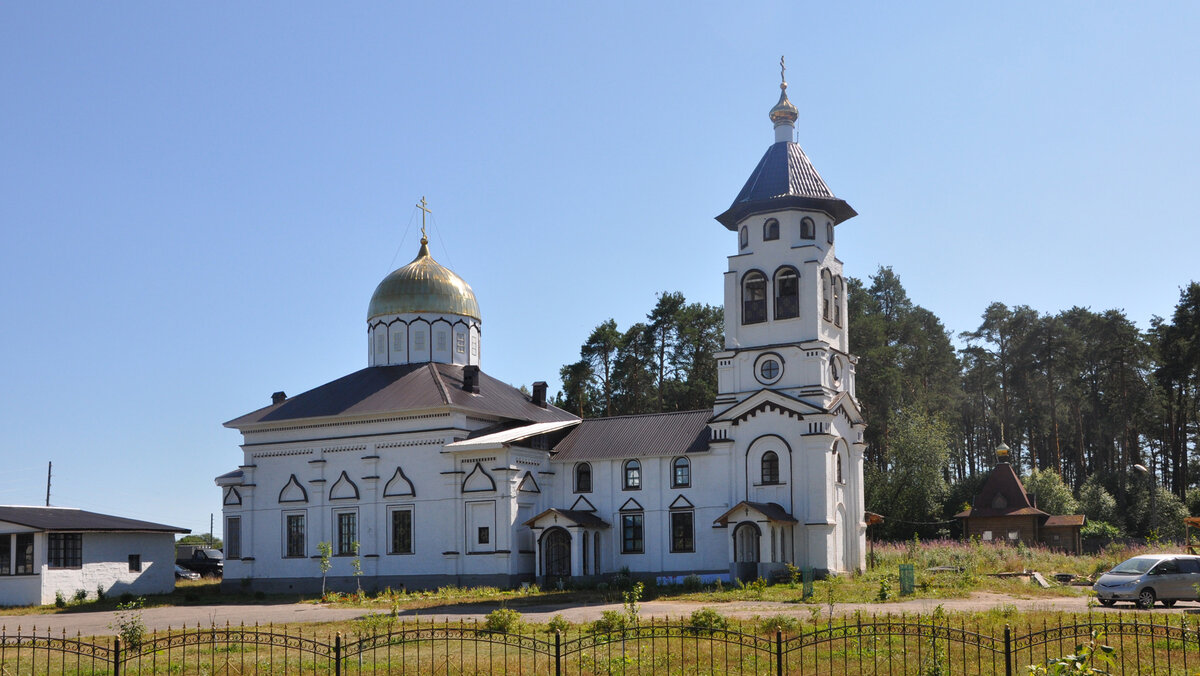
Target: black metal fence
(926,645)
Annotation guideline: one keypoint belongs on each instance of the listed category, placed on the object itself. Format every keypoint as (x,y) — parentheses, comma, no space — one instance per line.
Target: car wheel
(1145,599)
(1169,604)
(1107,603)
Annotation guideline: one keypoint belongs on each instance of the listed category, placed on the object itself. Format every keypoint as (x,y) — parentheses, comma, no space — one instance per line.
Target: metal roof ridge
(437,381)
(648,415)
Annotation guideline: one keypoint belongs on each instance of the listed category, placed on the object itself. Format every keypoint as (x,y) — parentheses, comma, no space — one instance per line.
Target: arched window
(770,468)
(840,480)
(583,478)
(744,238)
(826,295)
(829,232)
(770,230)
(633,475)
(681,473)
(754,298)
(838,286)
(787,293)
(808,229)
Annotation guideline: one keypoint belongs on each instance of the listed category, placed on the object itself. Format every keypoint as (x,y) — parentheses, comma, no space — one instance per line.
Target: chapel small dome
(423,285)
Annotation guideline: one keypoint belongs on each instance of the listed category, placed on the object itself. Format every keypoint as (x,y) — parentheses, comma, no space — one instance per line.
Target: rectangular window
(1014,535)
(485,535)
(681,532)
(5,554)
(441,341)
(631,534)
(347,533)
(24,554)
(402,534)
(294,525)
(233,537)
(135,563)
(460,343)
(987,536)
(64,550)
(419,341)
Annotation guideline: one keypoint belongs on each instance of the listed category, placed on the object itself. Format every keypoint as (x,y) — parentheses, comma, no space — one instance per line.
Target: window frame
(678,463)
(770,230)
(135,563)
(580,468)
(837,300)
(633,533)
(826,295)
(743,238)
(287,534)
(233,537)
(768,466)
(784,274)
(808,228)
(6,552)
(839,477)
(412,534)
(344,547)
(636,466)
(64,551)
(751,313)
(828,232)
(688,546)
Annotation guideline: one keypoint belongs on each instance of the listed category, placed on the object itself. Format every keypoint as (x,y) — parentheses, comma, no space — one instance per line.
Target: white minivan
(1145,579)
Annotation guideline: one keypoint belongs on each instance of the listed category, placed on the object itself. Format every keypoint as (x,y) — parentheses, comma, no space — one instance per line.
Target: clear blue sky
(197,199)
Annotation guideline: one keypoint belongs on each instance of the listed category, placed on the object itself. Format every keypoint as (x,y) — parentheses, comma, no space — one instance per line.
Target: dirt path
(97,623)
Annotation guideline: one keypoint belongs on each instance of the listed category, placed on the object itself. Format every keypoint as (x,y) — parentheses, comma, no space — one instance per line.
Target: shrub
(80,595)
(60,599)
(707,620)
(1100,529)
(99,592)
(885,589)
(374,624)
(558,624)
(781,623)
(503,621)
(692,583)
(126,597)
(610,621)
(128,623)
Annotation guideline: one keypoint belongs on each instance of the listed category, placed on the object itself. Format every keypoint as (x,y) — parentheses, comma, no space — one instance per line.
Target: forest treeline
(1081,397)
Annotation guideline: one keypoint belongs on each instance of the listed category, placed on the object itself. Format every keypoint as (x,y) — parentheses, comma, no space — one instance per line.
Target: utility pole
(49,469)
(210,527)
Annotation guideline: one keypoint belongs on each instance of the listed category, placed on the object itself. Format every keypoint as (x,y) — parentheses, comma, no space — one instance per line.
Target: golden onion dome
(784,112)
(423,286)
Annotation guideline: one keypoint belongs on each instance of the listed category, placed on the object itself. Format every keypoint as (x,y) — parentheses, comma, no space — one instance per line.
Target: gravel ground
(97,623)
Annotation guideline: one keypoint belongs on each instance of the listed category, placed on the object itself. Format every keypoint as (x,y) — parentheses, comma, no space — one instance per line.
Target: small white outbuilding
(47,550)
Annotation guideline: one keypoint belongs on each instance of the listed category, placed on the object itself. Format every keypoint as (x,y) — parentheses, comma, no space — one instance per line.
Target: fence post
(557,653)
(337,654)
(1007,651)
(116,656)
(778,652)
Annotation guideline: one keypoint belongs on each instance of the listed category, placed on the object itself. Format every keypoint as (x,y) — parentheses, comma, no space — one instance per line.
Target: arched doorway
(745,550)
(556,553)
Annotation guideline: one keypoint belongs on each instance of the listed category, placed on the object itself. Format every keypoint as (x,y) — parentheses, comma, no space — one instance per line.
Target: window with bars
(787,293)
(233,537)
(402,533)
(294,525)
(754,298)
(347,533)
(64,550)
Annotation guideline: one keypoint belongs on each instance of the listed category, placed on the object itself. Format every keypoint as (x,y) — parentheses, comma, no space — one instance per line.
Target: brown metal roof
(580,517)
(1003,482)
(392,389)
(67,519)
(772,510)
(1065,520)
(636,436)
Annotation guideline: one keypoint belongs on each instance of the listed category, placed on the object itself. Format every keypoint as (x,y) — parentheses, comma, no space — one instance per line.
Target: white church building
(425,471)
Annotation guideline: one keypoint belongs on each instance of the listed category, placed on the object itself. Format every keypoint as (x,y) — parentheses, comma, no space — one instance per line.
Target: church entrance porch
(568,545)
(762,540)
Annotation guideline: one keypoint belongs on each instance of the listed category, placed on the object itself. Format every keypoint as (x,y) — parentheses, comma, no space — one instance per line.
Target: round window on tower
(768,368)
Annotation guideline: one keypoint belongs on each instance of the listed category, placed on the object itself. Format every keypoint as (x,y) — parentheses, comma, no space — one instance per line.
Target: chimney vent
(278,397)
(539,393)
(471,378)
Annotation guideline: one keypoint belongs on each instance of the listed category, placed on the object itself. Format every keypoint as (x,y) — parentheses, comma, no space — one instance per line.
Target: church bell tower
(785,296)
